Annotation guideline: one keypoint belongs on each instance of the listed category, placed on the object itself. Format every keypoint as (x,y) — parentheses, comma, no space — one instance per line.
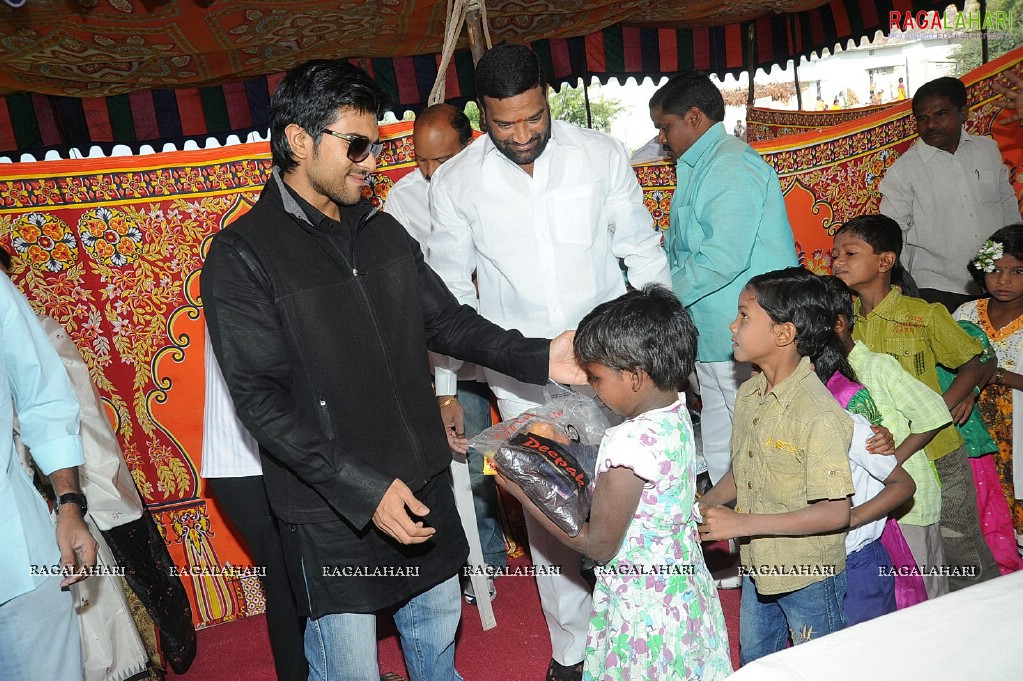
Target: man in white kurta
(948,192)
(546,214)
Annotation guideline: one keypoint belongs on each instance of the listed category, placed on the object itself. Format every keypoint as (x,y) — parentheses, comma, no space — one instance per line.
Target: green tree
(472,112)
(569,105)
(968,53)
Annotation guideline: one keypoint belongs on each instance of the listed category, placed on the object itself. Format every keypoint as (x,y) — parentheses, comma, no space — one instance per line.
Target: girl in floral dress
(998,268)
(656,613)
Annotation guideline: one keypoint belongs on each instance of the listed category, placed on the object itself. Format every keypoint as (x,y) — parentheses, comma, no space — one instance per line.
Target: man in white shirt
(440,132)
(543,212)
(948,193)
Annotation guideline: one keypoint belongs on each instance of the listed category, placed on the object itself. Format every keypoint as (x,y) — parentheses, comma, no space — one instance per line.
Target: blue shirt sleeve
(43,397)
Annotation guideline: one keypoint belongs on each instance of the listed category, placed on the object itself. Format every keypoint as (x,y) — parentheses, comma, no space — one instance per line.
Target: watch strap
(73,498)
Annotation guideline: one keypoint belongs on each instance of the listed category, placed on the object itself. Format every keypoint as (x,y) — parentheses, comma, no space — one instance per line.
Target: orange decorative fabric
(77,73)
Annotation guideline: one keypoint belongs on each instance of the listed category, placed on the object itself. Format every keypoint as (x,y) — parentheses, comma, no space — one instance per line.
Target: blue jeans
(343,646)
(475,400)
(767,622)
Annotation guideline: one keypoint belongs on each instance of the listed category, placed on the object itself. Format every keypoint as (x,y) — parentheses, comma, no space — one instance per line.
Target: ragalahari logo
(950,22)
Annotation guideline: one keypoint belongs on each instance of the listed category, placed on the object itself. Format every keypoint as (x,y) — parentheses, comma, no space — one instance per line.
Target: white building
(874,66)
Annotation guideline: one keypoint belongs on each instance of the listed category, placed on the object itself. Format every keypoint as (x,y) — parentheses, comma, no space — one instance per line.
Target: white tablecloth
(973,634)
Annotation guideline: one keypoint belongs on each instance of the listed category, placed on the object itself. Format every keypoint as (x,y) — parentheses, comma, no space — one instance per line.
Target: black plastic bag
(551,453)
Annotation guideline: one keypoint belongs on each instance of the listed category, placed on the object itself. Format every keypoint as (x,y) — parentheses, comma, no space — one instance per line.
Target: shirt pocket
(910,353)
(784,475)
(987,186)
(575,213)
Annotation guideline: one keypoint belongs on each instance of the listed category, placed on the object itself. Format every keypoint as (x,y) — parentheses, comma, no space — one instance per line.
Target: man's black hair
(456,118)
(689,89)
(311,95)
(5,259)
(460,122)
(647,329)
(946,86)
(507,70)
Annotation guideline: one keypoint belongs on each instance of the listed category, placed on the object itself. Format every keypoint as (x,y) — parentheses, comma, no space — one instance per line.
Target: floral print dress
(996,400)
(656,613)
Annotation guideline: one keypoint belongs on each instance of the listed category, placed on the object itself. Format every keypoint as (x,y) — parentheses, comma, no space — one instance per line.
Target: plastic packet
(550,451)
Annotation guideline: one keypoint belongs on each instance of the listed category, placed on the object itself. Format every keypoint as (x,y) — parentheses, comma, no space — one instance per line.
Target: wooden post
(751,63)
(474,27)
(477,45)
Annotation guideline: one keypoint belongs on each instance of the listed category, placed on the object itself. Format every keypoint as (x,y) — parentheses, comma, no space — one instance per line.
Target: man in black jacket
(321,310)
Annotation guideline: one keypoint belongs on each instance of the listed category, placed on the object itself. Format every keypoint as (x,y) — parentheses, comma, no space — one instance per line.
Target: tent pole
(983,32)
(586,100)
(751,63)
(799,90)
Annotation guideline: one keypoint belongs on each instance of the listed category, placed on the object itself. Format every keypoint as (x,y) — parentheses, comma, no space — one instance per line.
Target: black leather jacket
(324,353)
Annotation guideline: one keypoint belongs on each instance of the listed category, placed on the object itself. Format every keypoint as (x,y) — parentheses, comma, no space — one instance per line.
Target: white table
(975,634)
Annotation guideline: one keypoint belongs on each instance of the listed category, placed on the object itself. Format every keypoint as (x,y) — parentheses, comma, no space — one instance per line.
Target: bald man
(440,132)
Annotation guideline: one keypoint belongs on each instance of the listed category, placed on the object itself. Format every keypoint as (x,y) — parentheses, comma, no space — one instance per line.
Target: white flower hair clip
(986,256)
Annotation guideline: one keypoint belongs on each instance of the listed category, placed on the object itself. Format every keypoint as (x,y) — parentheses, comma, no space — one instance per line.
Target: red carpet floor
(518,649)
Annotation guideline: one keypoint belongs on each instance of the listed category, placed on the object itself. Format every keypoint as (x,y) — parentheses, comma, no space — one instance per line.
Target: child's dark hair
(841,298)
(5,259)
(801,297)
(883,234)
(1011,239)
(647,329)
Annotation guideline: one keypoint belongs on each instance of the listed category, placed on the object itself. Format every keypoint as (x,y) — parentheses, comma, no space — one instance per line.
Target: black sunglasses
(359,147)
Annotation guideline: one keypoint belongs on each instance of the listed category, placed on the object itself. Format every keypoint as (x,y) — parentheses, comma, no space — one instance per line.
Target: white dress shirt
(947,205)
(546,247)
(228,449)
(408,202)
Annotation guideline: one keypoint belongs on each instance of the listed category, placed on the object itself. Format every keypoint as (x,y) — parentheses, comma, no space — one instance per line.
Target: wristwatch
(72,498)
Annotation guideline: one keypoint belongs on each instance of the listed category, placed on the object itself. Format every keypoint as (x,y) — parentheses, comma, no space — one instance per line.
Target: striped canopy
(105,72)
